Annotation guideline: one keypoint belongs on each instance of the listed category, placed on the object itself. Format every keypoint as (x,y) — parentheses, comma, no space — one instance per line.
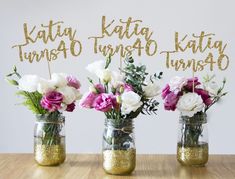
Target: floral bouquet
(193,99)
(122,96)
(47,99)
(190,96)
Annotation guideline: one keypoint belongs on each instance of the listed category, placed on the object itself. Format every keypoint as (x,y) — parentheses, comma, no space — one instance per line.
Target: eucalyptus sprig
(217,97)
(136,76)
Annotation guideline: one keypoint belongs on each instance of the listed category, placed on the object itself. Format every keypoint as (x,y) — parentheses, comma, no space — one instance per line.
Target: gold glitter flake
(119,162)
(49,154)
(192,156)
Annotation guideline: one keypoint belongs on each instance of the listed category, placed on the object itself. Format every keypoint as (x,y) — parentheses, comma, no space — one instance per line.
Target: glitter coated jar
(119,153)
(192,146)
(49,139)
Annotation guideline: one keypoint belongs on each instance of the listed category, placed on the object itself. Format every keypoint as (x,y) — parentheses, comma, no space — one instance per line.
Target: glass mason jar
(49,139)
(192,146)
(119,153)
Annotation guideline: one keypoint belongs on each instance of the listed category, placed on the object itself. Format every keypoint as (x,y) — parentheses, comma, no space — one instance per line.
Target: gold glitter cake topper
(197,45)
(50,34)
(124,37)
(133,38)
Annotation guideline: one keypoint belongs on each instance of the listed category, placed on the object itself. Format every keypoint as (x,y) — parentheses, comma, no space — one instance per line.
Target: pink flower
(103,102)
(171,101)
(204,95)
(127,87)
(70,107)
(192,82)
(100,88)
(73,82)
(52,101)
(88,100)
(165,91)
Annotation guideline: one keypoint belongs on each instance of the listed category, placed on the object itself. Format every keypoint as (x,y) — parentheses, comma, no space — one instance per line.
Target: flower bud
(121,89)
(12,82)
(92,89)
(119,99)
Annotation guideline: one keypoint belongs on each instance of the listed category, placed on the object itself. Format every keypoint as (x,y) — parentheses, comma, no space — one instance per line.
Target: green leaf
(32,101)
(12,82)
(108,61)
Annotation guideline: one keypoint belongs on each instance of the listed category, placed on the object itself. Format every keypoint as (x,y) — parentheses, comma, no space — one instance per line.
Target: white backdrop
(154,134)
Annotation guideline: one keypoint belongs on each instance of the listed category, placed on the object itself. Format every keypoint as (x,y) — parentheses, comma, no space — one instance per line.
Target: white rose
(151,90)
(70,94)
(96,66)
(177,83)
(29,83)
(104,75)
(45,86)
(58,79)
(116,79)
(130,102)
(189,104)
(212,87)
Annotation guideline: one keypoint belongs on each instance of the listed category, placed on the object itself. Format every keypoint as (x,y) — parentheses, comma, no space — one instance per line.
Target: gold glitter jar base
(192,156)
(49,155)
(119,162)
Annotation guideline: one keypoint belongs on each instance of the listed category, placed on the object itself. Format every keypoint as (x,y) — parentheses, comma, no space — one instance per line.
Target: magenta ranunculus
(192,82)
(52,101)
(73,82)
(171,101)
(204,95)
(165,91)
(100,88)
(70,107)
(88,100)
(103,102)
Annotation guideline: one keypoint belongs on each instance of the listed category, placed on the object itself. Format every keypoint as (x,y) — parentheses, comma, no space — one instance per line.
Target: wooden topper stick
(49,68)
(193,80)
(120,64)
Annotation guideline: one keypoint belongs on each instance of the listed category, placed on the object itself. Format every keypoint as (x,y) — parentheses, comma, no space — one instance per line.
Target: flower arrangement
(190,96)
(193,99)
(47,98)
(122,95)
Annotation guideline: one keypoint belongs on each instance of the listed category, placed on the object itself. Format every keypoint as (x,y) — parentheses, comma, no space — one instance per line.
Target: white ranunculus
(77,94)
(96,66)
(177,83)
(189,104)
(104,75)
(117,79)
(45,86)
(212,87)
(70,94)
(131,101)
(29,83)
(59,79)
(151,90)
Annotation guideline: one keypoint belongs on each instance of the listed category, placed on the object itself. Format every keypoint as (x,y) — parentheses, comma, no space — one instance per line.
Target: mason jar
(119,152)
(192,146)
(49,139)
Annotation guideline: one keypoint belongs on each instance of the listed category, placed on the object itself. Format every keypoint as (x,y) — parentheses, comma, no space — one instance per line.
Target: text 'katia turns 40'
(65,39)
